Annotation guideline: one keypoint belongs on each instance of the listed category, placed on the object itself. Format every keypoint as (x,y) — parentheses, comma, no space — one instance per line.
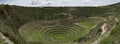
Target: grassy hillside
(60,25)
(114,36)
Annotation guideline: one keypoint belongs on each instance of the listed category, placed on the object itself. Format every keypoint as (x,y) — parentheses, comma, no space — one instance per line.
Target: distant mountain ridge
(116,4)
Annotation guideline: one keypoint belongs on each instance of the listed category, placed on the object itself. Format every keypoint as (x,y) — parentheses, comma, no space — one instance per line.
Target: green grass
(90,23)
(2,41)
(59,37)
(108,40)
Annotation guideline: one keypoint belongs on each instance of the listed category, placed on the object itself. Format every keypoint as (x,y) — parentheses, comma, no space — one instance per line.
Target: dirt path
(6,40)
(104,28)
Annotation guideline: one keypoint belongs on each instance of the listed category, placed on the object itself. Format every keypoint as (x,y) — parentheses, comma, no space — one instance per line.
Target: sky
(38,3)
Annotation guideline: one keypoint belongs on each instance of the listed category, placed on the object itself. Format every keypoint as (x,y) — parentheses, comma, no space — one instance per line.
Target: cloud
(87,0)
(37,3)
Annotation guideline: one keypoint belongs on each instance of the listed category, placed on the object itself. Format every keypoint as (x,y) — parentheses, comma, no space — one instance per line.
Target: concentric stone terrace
(57,31)
(49,34)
